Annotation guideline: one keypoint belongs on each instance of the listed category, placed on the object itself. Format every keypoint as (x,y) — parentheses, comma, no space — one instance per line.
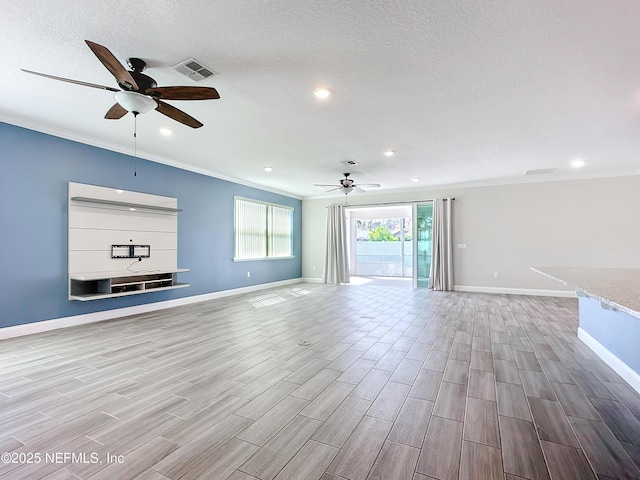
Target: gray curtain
(336,261)
(441,275)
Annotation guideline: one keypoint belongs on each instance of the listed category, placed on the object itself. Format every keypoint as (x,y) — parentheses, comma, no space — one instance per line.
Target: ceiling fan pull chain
(135,143)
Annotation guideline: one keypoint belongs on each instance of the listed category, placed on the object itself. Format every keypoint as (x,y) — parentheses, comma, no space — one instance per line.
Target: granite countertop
(616,287)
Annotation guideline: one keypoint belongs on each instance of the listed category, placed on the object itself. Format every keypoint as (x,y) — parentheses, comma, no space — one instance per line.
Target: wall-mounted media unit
(110,227)
(130,251)
(94,286)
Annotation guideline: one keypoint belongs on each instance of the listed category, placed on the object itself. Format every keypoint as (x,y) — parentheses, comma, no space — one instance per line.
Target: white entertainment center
(121,243)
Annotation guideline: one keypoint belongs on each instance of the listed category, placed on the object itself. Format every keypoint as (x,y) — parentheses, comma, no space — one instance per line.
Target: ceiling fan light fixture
(135,103)
(347,190)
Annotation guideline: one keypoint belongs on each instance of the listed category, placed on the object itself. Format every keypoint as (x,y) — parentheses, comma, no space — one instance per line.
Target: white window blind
(262,230)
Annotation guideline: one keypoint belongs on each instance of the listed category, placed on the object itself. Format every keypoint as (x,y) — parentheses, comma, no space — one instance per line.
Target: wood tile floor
(396,384)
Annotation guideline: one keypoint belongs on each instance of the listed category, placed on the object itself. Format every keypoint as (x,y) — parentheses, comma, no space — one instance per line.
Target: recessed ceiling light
(415,179)
(577,163)
(390,153)
(132,209)
(322,92)
(268,169)
(166,131)
(119,191)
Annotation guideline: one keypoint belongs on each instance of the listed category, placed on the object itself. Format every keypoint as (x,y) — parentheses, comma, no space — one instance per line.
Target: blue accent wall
(35,171)
(617,331)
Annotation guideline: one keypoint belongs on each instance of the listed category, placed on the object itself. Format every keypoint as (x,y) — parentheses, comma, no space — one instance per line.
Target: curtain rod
(390,203)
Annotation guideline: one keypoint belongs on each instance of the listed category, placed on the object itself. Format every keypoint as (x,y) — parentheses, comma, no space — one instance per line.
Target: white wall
(508,228)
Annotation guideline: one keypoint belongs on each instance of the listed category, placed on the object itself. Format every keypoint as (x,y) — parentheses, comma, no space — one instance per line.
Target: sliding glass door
(391,241)
(381,241)
(423,219)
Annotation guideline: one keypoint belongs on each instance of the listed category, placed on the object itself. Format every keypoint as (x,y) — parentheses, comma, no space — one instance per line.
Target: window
(263,230)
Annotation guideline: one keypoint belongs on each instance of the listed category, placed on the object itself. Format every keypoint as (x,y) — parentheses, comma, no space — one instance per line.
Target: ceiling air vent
(350,162)
(194,70)
(539,171)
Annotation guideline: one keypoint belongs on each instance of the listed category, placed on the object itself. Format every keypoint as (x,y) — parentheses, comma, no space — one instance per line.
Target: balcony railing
(391,259)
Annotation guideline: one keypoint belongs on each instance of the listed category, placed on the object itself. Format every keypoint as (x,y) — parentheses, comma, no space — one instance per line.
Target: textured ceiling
(463,91)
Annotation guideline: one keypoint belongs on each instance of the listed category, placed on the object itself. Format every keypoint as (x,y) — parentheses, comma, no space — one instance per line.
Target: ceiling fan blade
(184,93)
(368,184)
(334,189)
(358,189)
(326,185)
(177,114)
(113,65)
(68,80)
(116,112)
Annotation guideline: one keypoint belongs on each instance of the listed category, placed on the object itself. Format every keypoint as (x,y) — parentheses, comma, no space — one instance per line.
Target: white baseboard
(56,323)
(516,291)
(312,280)
(618,366)
(500,290)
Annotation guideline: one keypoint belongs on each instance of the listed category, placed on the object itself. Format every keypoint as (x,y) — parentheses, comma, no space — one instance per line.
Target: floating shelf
(125,204)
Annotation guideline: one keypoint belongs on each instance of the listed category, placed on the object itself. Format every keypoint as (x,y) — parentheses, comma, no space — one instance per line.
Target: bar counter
(609,314)
(617,287)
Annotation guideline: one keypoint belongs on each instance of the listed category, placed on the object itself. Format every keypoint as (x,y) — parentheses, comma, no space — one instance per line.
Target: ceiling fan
(347,185)
(138,92)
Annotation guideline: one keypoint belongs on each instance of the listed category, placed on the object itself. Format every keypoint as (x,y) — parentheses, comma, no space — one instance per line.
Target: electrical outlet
(496,274)
(248,274)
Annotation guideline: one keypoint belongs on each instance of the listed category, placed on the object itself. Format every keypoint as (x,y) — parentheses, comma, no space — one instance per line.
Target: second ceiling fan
(139,93)
(347,185)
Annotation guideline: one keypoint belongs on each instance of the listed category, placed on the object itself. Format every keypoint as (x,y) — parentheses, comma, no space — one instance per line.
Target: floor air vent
(194,70)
